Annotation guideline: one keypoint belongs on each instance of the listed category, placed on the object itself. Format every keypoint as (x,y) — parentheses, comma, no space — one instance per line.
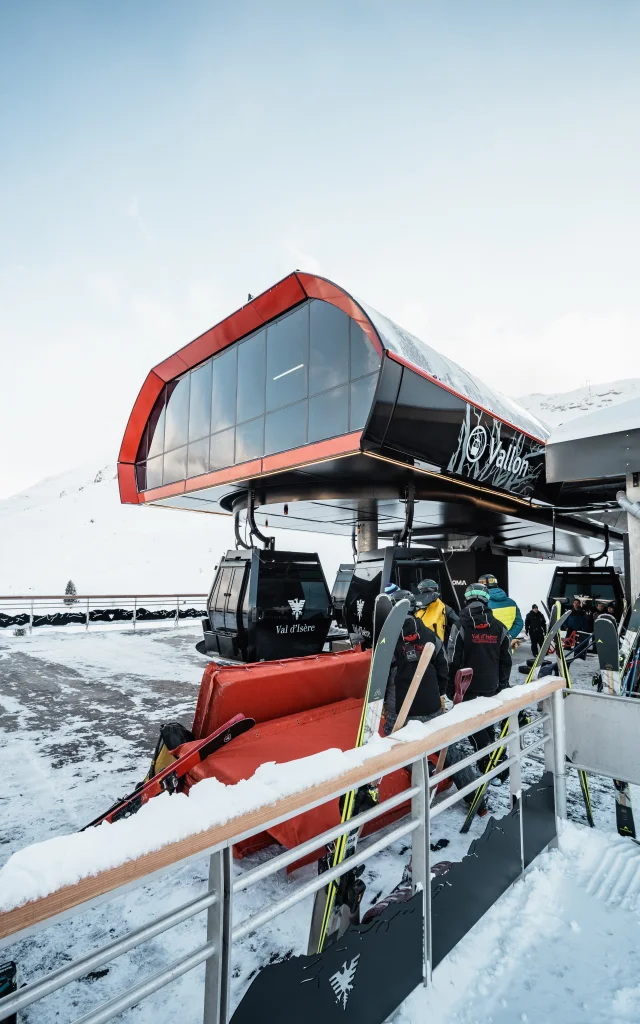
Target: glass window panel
(361,400)
(198,460)
(286,428)
(177,415)
(287,359)
(200,403)
(223,395)
(154,473)
(329,414)
(251,359)
(364,358)
(156,428)
(329,347)
(221,452)
(249,440)
(141,476)
(175,465)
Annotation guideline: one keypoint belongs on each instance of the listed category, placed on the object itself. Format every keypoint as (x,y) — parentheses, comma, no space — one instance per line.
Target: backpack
(434,616)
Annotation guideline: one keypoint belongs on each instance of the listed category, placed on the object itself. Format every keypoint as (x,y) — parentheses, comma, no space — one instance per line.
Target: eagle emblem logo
(342,981)
(297,607)
(360,609)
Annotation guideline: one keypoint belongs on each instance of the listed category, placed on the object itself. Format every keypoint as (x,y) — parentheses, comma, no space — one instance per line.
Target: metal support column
(633,527)
(219,923)
(367,525)
(421,854)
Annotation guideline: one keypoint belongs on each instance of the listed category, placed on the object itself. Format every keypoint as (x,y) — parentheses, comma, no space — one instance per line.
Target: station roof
(318,403)
(603,445)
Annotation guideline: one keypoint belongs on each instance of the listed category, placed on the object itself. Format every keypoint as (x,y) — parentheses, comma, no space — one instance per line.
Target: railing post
(31,618)
(219,923)
(135,611)
(177,611)
(515,776)
(554,750)
(86,624)
(421,853)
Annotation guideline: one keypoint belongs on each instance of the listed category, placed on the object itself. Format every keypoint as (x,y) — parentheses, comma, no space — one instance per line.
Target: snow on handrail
(51,878)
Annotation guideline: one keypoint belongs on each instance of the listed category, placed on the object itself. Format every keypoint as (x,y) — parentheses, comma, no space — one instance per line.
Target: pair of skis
(605,632)
(337,904)
(169,780)
(555,625)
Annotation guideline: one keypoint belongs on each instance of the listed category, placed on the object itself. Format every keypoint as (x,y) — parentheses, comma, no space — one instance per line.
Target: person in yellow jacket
(435,614)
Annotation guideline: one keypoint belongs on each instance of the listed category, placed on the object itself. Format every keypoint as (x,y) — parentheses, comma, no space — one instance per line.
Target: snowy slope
(73,526)
(563,406)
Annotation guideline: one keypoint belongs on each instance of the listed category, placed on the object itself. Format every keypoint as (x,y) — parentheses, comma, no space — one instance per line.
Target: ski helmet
(476,592)
(404,595)
(428,586)
(488,579)
(391,589)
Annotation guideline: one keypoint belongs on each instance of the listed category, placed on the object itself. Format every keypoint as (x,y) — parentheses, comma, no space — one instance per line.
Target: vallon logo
(360,609)
(342,981)
(297,607)
(498,456)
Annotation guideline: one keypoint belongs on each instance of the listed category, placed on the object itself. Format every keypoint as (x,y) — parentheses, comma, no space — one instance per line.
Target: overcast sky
(469,168)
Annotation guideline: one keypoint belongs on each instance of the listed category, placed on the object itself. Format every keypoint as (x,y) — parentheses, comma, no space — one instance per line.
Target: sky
(470,169)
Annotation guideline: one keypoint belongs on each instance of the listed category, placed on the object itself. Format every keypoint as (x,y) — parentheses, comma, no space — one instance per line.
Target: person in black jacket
(535,626)
(428,702)
(481,642)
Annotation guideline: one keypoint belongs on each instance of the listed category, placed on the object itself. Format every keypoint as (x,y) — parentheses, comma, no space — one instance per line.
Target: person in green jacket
(503,607)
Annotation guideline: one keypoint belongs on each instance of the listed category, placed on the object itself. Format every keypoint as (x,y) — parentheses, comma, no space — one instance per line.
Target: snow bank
(45,867)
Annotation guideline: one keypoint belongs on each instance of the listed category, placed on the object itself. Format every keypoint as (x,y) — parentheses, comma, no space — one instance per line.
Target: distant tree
(71,592)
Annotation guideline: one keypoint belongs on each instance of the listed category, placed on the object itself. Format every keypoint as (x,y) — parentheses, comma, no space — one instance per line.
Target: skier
(480,641)
(503,607)
(535,626)
(428,702)
(433,612)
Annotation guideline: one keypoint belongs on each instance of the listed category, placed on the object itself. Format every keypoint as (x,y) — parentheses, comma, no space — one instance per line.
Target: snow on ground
(73,526)
(80,714)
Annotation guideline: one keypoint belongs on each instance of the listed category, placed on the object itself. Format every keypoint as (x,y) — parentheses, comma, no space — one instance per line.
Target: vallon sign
(495,454)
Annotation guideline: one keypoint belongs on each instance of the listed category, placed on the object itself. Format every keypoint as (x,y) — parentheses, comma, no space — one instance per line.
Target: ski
(168,780)
(606,640)
(555,625)
(563,666)
(8,985)
(329,913)
(381,609)
(630,637)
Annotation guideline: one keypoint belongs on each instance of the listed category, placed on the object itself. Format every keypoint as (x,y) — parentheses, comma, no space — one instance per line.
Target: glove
(442,704)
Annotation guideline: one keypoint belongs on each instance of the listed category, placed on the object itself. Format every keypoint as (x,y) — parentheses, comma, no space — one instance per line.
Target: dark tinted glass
(141,476)
(364,358)
(175,465)
(198,459)
(329,347)
(223,395)
(200,403)
(329,414)
(361,400)
(177,414)
(251,359)
(250,440)
(221,451)
(286,428)
(287,359)
(156,430)
(154,473)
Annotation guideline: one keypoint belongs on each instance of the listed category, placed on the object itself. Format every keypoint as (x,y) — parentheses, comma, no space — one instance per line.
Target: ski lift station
(308,409)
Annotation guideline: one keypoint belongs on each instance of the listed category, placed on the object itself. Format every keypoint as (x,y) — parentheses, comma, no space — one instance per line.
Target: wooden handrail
(65,899)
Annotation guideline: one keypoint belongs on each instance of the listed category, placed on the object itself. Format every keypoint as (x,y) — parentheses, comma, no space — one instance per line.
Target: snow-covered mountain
(73,526)
(562,406)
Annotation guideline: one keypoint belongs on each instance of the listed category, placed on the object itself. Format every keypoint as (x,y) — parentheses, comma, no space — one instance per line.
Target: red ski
(168,780)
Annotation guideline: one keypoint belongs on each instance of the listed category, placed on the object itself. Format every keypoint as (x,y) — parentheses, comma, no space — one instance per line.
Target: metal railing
(216,844)
(27,611)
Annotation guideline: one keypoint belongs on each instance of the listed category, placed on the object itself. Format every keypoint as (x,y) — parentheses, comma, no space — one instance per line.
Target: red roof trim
(347,444)
(458,394)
